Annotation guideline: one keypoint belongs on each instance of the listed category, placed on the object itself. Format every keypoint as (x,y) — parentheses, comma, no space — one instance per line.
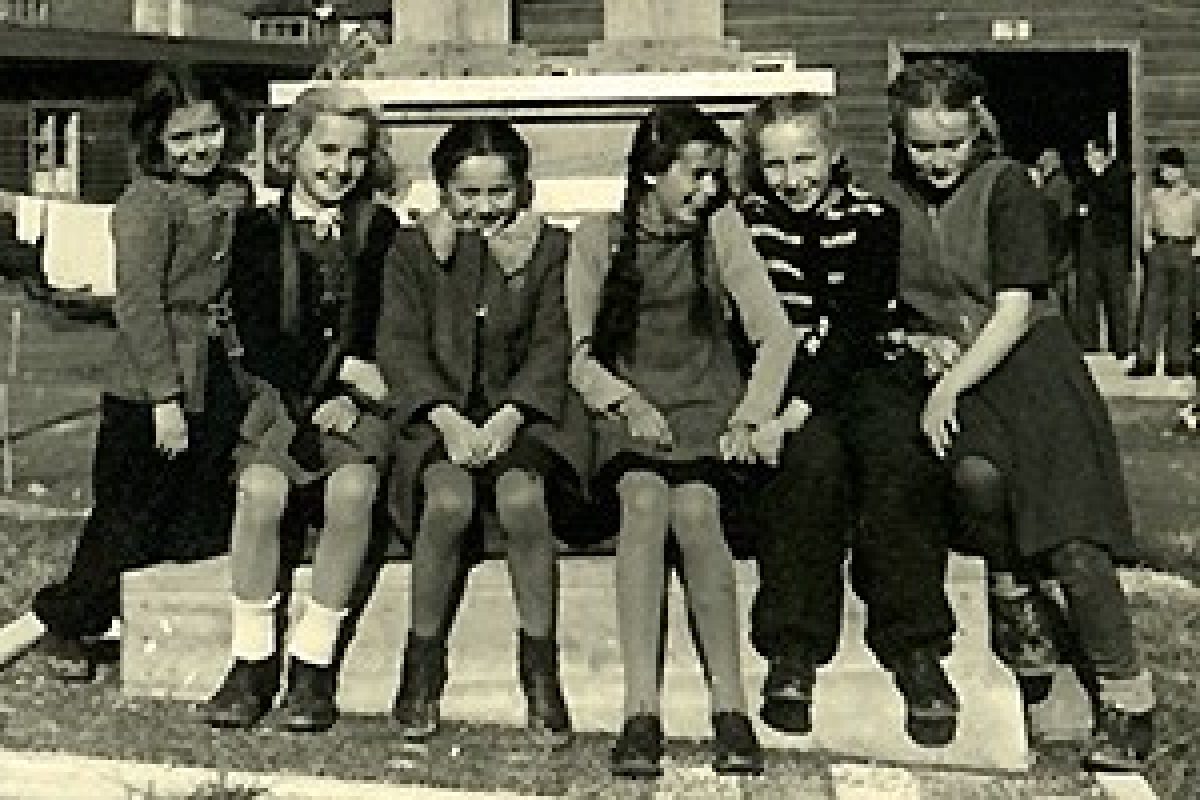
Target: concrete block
(176,641)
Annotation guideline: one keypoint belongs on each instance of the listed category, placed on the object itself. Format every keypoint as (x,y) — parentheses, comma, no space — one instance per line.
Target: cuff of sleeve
(533,409)
(368,404)
(598,387)
(165,394)
(750,415)
(419,412)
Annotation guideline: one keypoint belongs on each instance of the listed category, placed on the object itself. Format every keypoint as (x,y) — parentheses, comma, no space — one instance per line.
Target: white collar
(326,220)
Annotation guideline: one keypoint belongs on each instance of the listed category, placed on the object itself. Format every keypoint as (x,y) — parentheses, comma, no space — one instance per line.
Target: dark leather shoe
(931,705)
(309,704)
(1121,742)
(737,749)
(639,749)
(417,707)
(788,694)
(546,706)
(68,659)
(245,696)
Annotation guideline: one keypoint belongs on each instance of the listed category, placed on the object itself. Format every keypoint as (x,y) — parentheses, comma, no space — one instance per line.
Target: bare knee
(262,493)
(350,491)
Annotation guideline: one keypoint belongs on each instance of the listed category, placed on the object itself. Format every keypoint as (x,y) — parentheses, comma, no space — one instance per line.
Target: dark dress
(1038,415)
(172,245)
(470,334)
(301,307)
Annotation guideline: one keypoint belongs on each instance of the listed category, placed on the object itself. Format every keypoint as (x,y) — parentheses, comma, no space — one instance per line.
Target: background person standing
(1105,261)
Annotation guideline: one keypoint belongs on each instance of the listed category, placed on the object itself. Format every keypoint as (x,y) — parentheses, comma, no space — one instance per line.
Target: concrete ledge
(176,639)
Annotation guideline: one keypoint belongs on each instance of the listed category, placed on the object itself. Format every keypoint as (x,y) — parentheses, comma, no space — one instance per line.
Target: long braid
(657,143)
(617,318)
(700,312)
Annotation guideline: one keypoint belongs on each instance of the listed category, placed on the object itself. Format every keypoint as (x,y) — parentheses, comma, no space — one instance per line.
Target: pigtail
(657,142)
(700,312)
(617,317)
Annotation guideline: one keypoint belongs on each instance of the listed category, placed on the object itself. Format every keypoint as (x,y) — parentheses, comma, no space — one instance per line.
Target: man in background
(1105,264)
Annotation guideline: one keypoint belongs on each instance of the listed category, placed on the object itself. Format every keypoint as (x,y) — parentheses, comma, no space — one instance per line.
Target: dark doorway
(1053,98)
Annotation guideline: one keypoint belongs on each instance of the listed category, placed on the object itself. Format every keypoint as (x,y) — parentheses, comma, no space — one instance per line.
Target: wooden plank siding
(558,27)
(853,37)
(105,151)
(14,147)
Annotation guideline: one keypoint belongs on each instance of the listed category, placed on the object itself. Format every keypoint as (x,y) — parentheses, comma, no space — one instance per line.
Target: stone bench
(176,635)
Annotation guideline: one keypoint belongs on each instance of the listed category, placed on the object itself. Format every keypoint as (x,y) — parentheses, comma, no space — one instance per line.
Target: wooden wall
(853,37)
(89,15)
(558,27)
(104,151)
(14,147)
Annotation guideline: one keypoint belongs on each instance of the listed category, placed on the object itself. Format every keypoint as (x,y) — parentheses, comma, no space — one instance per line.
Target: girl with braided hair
(650,294)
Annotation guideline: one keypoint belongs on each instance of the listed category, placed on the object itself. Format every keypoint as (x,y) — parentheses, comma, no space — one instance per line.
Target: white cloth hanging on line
(31,218)
(79,252)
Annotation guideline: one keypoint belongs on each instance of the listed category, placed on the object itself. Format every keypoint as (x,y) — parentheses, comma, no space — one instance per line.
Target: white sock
(316,634)
(254,629)
(19,635)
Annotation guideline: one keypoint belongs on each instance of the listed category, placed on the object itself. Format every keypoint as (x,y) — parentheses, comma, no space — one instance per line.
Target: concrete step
(1110,377)
(176,639)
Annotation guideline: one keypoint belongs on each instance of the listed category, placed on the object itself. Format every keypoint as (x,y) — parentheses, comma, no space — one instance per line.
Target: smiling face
(686,192)
(796,160)
(482,193)
(332,158)
(939,142)
(194,140)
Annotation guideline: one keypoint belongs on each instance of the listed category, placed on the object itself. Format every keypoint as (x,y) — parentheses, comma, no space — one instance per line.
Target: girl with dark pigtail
(650,295)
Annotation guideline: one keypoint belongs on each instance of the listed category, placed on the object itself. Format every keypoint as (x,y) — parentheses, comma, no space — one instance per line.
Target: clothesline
(76,238)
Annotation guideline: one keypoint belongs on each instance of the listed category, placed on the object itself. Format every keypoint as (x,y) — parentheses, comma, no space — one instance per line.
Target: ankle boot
(309,704)
(736,747)
(931,705)
(538,668)
(1122,740)
(1022,637)
(417,707)
(245,696)
(788,694)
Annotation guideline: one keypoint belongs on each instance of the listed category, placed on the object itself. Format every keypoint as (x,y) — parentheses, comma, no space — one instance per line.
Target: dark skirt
(301,452)
(148,508)
(564,499)
(1040,419)
(733,483)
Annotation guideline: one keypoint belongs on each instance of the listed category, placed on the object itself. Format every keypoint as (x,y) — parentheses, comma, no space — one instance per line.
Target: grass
(37,714)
